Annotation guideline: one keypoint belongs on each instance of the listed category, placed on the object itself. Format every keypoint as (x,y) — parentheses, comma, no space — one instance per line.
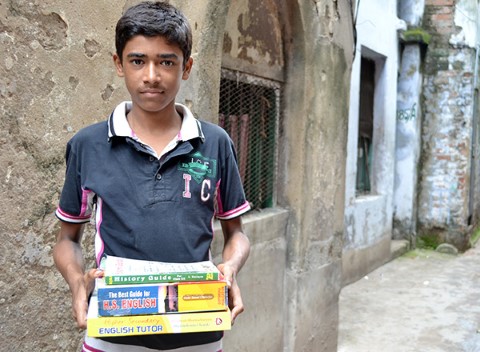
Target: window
(249,112)
(365,126)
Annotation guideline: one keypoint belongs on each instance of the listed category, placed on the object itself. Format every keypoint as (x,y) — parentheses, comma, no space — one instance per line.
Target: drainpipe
(474,139)
(475,73)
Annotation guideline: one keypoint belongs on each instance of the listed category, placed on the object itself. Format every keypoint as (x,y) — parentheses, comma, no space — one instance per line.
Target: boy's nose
(152,74)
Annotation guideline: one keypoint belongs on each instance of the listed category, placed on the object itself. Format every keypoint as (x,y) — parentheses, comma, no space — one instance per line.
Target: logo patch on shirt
(198,166)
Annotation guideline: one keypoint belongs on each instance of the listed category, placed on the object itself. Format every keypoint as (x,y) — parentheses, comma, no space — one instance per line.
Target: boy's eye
(167,63)
(136,62)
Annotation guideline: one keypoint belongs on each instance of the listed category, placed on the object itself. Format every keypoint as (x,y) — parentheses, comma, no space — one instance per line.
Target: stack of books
(137,297)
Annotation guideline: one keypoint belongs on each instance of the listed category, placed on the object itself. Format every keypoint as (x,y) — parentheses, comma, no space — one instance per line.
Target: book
(154,324)
(161,298)
(122,271)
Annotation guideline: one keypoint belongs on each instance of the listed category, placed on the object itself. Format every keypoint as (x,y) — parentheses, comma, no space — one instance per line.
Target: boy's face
(153,71)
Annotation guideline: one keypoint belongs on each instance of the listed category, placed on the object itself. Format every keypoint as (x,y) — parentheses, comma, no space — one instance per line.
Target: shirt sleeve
(231,200)
(76,202)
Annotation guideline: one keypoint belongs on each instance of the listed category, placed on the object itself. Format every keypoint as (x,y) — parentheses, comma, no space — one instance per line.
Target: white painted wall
(411,11)
(369,218)
(408,136)
(408,141)
(466,19)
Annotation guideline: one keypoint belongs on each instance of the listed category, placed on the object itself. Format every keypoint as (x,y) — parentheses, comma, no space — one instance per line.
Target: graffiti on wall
(408,114)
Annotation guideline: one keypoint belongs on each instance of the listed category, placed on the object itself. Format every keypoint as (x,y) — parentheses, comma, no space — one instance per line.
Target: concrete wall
(444,199)
(408,135)
(368,218)
(56,76)
(312,169)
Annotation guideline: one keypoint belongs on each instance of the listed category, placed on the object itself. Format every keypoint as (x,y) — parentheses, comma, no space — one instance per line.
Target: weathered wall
(253,40)
(312,169)
(56,76)
(408,139)
(447,126)
(408,135)
(368,218)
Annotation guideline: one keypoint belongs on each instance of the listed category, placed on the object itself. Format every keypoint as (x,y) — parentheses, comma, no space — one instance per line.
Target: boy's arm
(235,253)
(68,257)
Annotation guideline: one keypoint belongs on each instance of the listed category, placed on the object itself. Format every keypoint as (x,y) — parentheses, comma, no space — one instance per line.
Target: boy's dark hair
(153,19)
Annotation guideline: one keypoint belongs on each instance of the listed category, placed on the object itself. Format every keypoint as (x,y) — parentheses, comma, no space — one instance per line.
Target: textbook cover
(161,298)
(122,271)
(154,324)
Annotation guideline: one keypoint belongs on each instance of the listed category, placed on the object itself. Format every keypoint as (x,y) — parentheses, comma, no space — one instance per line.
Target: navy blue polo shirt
(149,206)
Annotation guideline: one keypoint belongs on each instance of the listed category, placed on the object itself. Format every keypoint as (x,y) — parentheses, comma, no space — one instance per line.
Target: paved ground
(423,301)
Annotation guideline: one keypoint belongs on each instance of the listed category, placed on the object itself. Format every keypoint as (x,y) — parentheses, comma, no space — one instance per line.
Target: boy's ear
(118,65)
(187,69)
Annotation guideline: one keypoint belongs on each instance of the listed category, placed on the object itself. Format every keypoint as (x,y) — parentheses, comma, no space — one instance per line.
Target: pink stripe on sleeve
(219,199)
(64,216)
(234,212)
(99,244)
(87,196)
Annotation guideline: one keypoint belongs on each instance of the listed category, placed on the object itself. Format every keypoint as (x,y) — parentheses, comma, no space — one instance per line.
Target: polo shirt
(148,206)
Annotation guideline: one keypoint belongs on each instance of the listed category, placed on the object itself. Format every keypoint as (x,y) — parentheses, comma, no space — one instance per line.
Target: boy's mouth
(152,91)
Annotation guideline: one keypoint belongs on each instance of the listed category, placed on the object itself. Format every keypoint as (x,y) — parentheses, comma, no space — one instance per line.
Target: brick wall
(446,128)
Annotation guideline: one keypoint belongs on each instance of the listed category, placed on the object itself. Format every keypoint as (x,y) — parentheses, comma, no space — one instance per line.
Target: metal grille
(249,112)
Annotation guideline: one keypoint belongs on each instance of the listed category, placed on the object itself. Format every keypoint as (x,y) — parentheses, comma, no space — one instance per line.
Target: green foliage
(416,35)
(428,241)
(418,253)
(475,236)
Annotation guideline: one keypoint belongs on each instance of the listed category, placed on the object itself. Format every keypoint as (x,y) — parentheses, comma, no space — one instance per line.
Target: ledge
(415,36)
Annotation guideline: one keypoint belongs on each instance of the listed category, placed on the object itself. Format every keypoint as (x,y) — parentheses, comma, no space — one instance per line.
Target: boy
(156,175)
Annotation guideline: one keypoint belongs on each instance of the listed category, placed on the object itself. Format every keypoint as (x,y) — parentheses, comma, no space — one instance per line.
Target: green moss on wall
(416,35)
(430,241)
(475,237)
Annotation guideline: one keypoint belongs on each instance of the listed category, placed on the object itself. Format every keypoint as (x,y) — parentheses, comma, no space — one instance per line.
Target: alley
(423,301)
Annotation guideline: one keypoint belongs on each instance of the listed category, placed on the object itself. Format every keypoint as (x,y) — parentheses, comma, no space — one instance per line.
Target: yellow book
(175,297)
(154,324)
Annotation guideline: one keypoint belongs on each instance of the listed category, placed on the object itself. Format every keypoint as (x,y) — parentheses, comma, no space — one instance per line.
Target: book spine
(158,299)
(157,279)
(158,324)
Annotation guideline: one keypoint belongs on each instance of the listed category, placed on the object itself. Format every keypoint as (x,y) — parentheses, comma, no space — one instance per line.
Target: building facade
(370,162)
(448,194)
(413,146)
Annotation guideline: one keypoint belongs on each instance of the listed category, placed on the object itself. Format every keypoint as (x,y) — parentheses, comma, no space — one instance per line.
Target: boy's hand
(81,294)
(235,302)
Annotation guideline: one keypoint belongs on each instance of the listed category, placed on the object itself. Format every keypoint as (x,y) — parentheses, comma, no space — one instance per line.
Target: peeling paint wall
(55,77)
(447,125)
(312,169)
(253,41)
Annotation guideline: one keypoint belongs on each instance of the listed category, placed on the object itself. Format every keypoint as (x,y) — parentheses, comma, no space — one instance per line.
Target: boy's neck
(155,129)
(154,122)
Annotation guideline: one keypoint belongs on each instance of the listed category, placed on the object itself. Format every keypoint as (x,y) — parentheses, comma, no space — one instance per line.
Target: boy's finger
(227,274)
(92,274)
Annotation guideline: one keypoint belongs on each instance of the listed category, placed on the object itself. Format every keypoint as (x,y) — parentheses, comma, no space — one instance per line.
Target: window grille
(249,112)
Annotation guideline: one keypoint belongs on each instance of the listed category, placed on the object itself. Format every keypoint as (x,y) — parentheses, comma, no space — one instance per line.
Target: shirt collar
(118,125)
